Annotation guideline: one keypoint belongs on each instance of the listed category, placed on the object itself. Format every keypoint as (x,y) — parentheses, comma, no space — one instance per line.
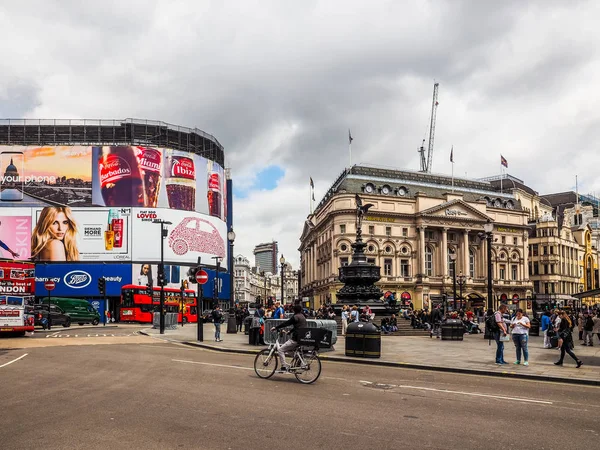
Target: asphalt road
(159,395)
(75,331)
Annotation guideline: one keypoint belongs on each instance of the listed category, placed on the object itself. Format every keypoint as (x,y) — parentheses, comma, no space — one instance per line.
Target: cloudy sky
(280,82)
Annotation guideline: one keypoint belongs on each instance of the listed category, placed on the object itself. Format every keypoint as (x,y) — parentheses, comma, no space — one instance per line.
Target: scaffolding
(110,132)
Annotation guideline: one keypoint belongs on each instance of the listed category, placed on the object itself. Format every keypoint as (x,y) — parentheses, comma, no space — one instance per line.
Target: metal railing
(110,132)
(170,321)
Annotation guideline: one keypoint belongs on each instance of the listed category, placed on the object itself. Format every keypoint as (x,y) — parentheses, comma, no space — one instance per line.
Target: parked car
(57,316)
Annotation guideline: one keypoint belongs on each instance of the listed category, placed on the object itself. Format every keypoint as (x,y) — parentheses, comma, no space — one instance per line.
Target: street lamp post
(488,228)
(161,270)
(453,259)
(263,273)
(461,282)
(216,286)
(282,262)
(231,238)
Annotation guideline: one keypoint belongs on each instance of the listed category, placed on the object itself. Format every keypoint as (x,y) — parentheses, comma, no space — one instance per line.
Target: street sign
(201,276)
(49,285)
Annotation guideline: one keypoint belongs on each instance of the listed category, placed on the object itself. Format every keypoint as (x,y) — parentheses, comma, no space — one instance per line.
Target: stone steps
(404,328)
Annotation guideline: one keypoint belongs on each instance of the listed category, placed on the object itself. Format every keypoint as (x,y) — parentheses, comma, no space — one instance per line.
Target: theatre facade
(421,230)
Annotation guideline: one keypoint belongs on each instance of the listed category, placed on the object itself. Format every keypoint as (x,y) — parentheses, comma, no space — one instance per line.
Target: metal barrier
(170,321)
(271,336)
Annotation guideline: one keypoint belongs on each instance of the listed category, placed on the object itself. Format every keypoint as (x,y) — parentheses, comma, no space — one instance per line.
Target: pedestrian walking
(588,329)
(279,312)
(596,329)
(345,317)
(217,317)
(545,328)
(565,340)
(500,333)
(520,334)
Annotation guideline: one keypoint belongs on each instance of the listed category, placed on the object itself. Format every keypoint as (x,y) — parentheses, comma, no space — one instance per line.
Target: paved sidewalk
(472,355)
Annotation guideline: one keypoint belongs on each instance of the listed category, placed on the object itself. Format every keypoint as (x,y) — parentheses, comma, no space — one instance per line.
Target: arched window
(428,261)
(471,263)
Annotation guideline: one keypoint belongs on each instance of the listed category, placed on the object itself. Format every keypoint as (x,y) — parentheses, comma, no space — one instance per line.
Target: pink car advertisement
(189,236)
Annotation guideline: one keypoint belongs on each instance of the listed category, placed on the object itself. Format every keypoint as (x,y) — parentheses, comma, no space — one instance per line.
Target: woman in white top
(345,317)
(520,335)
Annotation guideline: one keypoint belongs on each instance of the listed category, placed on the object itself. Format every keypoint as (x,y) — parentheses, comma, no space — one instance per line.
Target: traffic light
(161,278)
(191,273)
(102,285)
(149,287)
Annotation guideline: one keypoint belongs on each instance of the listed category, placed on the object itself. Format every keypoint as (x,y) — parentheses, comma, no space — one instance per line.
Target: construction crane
(426,163)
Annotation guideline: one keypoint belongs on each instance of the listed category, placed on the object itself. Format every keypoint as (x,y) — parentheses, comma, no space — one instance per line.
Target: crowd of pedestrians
(558,327)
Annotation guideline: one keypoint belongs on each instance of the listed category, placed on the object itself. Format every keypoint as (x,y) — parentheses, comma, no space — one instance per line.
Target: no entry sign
(49,285)
(201,276)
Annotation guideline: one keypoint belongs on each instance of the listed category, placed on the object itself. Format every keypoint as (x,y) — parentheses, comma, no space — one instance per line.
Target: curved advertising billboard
(100,204)
(111,176)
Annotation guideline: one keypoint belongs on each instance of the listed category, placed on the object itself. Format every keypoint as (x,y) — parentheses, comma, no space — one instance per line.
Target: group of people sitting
(431,321)
(389,324)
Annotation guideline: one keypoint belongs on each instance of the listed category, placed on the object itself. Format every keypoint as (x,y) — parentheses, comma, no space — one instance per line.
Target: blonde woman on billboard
(54,237)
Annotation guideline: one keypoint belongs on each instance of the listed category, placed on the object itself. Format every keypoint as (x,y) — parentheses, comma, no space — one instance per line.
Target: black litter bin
(534,330)
(247,324)
(453,330)
(254,334)
(231,322)
(363,339)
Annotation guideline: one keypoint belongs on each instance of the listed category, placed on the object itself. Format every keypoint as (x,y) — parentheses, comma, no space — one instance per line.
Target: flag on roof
(452,154)
(503,161)
(350,138)
(312,184)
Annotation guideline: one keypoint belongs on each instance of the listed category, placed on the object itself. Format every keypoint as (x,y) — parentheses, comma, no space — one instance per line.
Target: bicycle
(305,364)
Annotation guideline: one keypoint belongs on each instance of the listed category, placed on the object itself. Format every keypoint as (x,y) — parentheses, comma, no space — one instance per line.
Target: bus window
(127,297)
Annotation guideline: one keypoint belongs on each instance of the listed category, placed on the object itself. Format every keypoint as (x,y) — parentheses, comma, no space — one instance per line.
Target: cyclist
(298,321)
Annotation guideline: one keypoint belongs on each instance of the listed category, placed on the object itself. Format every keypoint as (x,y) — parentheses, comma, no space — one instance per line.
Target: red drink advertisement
(120,179)
(181,183)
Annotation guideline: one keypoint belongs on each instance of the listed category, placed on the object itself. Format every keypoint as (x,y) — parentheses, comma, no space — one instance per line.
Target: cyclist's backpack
(490,323)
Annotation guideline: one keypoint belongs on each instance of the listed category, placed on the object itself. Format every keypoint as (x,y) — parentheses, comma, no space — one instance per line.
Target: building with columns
(421,230)
(251,284)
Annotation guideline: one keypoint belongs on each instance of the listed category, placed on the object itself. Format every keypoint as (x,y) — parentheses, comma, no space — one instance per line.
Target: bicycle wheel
(311,372)
(265,366)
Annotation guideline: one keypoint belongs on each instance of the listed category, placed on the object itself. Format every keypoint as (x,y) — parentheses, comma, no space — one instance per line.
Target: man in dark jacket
(298,321)
(217,317)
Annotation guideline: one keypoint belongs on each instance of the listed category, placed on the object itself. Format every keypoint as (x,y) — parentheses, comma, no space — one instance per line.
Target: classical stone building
(554,262)
(251,284)
(418,223)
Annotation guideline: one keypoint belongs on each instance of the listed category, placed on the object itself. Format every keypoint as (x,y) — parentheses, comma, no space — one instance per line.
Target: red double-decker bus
(138,306)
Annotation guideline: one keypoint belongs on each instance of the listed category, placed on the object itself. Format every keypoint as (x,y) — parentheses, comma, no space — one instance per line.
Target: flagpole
(350,152)
(350,139)
(452,161)
(501,176)
(310,202)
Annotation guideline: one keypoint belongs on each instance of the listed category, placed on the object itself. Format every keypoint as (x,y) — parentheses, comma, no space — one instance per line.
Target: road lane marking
(53,334)
(473,394)
(211,364)
(14,360)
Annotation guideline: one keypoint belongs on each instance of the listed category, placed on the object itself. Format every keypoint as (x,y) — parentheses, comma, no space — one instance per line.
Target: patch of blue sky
(265,180)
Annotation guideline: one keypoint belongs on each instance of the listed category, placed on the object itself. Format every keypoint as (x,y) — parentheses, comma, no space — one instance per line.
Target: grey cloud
(244,71)
(18,98)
